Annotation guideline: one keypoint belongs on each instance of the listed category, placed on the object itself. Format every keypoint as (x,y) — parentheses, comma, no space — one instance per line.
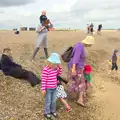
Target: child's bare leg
(65,103)
(116,68)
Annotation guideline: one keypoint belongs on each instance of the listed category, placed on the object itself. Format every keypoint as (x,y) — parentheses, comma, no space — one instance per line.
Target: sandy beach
(22,102)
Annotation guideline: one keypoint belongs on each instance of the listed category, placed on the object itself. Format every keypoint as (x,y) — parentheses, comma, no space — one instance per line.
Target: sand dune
(20,101)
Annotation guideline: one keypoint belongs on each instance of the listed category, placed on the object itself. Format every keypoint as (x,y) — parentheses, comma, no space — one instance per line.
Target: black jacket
(6,64)
(10,68)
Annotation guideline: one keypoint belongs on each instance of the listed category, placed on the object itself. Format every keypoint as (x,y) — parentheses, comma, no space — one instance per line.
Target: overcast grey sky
(62,13)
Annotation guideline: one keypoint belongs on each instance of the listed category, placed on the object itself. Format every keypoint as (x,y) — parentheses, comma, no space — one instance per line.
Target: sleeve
(9,62)
(76,56)
(59,71)
(59,78)
(44,79)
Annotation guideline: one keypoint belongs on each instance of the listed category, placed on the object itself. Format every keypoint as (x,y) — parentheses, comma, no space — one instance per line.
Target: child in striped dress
(49,84)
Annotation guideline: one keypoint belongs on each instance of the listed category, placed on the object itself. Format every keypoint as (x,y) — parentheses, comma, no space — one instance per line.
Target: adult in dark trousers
(10,68)
(99,29)
(91,28)
(42,39)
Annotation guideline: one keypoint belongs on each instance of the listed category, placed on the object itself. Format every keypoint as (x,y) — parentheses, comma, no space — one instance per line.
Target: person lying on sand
(42,38)
(10,68)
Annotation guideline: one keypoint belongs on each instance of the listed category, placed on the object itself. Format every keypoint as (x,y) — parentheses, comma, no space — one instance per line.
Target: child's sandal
(68,109)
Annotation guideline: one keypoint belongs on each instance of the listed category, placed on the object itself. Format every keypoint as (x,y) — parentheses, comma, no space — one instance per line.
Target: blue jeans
(50,103)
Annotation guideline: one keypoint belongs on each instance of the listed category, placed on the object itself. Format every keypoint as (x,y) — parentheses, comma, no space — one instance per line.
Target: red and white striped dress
(49,77)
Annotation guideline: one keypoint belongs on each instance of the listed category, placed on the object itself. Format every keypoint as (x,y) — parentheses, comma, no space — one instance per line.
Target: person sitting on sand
(114,61)
(76,67)
(10,68)
(42,38)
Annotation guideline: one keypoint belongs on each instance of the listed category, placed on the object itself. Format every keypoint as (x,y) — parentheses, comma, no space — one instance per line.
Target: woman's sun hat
(54,58)
(89,40)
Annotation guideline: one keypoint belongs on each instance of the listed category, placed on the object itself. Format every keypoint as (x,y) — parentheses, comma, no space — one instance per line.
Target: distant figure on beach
(114,60)
(88,28)
(99,29)
(43,17)
(91,28)
(10,68)
(17,32)
(42,39)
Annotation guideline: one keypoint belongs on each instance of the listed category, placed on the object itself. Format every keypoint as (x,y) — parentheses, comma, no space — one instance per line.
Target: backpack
(67,55)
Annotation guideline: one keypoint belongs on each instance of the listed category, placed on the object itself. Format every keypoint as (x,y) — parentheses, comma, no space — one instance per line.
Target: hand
(43,92)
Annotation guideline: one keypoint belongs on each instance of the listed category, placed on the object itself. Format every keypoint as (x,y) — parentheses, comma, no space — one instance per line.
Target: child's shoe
(48,116)
(54,115)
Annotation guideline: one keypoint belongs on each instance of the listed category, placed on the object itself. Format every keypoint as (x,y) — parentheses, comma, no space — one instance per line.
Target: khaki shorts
(42,41)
